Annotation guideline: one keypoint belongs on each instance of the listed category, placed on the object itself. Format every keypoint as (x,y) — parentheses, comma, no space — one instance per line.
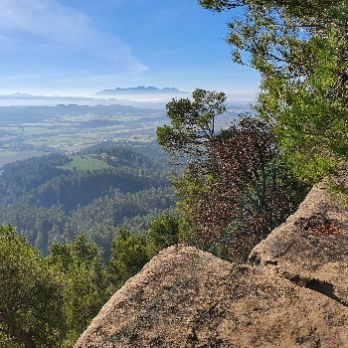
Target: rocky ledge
(292,293)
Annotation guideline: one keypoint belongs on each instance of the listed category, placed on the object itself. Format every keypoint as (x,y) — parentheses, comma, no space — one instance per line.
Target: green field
(86,163)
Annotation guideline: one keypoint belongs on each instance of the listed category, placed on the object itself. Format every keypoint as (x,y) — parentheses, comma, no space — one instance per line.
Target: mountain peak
(139,90)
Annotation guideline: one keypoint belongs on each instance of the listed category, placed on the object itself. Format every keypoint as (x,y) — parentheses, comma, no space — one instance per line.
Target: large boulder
(293,293)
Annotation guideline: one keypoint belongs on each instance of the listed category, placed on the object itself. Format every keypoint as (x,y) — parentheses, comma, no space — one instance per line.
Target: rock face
(294,292)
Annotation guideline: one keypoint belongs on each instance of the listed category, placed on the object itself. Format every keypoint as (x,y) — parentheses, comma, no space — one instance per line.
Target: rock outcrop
(293,293)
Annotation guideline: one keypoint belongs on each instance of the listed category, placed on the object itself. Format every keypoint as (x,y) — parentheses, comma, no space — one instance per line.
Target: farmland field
(31,131)
(27,131)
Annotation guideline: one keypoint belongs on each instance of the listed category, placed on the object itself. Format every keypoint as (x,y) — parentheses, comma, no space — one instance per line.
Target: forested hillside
(54,198)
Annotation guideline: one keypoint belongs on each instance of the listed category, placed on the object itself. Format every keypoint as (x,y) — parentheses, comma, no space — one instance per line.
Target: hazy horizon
(141,100)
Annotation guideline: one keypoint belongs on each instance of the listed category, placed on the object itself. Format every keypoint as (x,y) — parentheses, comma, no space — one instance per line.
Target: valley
(70,128)
(30,131)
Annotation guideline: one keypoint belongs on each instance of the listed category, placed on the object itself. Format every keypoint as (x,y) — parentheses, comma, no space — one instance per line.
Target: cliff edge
(293,293)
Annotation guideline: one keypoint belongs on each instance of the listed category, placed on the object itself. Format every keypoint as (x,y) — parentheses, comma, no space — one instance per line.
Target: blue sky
(82,46)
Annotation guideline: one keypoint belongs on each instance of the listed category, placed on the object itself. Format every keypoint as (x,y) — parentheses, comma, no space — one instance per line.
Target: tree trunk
(27,341)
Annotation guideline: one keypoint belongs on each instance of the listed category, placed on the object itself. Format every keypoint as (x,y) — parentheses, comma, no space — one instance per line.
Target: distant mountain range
(139,90)
(19,96)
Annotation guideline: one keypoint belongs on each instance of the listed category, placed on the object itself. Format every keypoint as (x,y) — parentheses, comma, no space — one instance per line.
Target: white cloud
(52,23)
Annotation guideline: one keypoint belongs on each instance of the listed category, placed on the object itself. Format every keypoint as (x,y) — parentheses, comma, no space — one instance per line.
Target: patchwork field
(35,130)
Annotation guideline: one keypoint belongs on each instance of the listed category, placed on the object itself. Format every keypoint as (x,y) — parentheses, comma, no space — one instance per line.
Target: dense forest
(96,228)
(49,199)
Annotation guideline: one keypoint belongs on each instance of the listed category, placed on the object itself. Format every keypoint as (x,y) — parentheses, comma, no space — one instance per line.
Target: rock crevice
(321,287)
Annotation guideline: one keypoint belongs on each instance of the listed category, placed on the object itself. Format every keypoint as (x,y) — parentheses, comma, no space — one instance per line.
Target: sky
(82,46)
